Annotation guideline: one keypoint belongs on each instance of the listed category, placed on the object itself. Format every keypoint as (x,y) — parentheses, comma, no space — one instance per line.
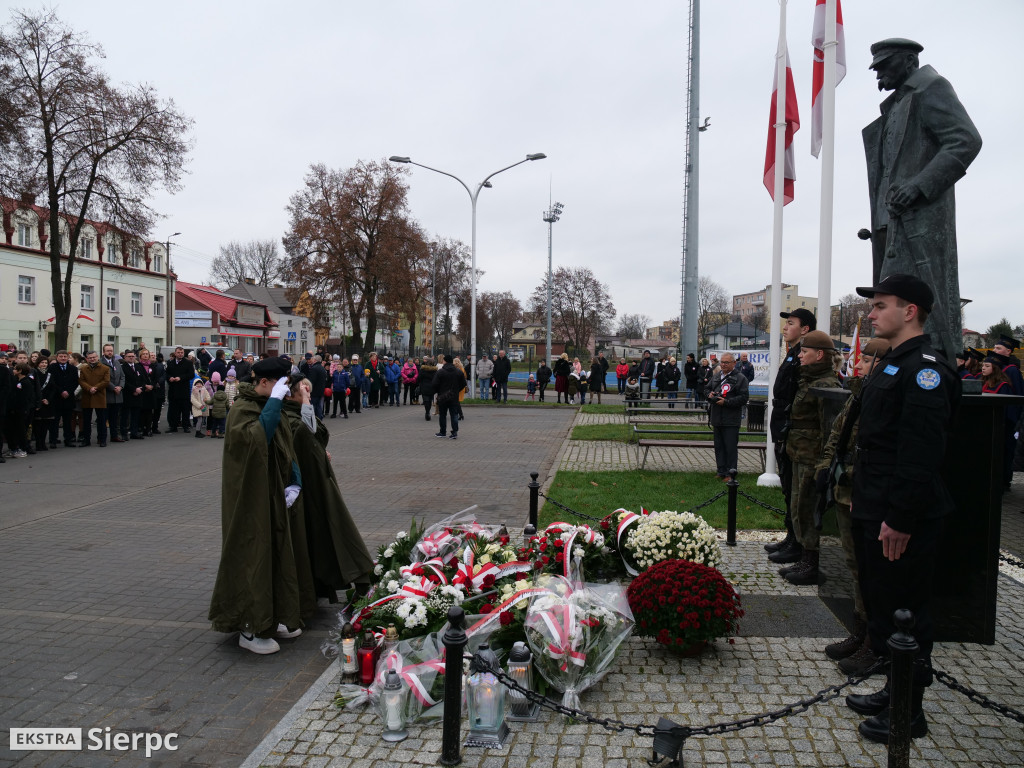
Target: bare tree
(713,306)
(758,319)
(257,260)
(850,309)
(633,326)
(450,267)
(97,151)
(350,235)
(504,310)
(581,305)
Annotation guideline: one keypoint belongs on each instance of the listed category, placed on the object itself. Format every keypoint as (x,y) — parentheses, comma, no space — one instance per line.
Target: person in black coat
(543,378)
(220,365)
(502,370)
(180,373)
(243,368)
(670,375)
(21,401)
(136,381)
(320,379)
(158,377)
(448,383)
(425,382)
(690,369)
(61,394)
(596,380)
(5,387)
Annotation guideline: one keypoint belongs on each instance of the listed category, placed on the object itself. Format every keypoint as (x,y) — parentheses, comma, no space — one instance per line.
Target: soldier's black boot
(775,546)
(877,728)
(790,554)
(869,703)
(860,662)
(852,644)
(807,570)
(788,569)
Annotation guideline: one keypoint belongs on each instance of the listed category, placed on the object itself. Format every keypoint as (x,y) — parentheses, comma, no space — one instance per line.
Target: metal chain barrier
(1016,562)
(978,698)
(758,502)
(683,732)
(572,511)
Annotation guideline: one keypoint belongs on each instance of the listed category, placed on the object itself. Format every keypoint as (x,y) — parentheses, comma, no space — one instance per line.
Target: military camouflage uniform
(804,446)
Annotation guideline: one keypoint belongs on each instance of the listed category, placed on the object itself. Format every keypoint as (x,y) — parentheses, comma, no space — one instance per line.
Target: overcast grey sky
(599,86)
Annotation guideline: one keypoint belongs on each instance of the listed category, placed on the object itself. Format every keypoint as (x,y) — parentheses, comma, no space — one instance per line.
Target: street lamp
(551,215)
(169,304)
(471,367)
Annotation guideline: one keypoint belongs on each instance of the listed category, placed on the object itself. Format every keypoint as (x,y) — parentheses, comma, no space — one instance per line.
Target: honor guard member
(799,323)
(805,442)
(899,497)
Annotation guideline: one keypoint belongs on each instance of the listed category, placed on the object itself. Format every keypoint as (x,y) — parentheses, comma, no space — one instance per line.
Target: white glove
(291,493)
(281,390)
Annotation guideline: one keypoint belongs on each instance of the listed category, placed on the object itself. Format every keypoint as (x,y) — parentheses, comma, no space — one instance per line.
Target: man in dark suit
(180,373)
(135,382)
(60,392)
(916,151)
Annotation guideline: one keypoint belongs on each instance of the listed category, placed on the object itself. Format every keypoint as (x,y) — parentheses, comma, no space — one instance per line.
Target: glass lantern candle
(485,697)
(367,659)
(520,669)
(391,706)
(349,666)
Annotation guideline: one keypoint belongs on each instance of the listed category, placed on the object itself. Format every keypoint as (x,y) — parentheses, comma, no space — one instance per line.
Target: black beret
(271,368)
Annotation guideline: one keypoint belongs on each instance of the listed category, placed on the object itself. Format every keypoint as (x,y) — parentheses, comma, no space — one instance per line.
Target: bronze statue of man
(916,151)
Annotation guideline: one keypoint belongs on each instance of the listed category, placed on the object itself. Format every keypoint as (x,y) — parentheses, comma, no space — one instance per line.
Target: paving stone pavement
(109,557)
(109,563)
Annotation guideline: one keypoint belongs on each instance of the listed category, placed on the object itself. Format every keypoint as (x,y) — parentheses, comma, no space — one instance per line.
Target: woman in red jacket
(622,373)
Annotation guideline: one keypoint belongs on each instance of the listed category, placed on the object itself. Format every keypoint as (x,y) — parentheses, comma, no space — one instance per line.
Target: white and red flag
(792,126)
(818,38)
(855,350)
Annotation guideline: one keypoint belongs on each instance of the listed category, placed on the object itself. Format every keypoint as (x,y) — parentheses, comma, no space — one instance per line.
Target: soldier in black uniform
(899,497)
(799,323)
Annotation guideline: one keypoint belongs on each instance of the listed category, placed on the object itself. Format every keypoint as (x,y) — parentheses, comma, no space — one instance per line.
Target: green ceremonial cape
(264,578)
(336,550)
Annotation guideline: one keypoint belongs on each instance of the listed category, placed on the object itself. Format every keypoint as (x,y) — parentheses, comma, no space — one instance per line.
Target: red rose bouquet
(683,604)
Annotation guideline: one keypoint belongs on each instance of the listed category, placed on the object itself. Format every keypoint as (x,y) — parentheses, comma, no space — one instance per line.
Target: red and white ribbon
(434,564)
(560,621)
(494,615)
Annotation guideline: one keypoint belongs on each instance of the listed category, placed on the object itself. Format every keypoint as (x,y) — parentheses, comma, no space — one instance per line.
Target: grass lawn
(622,433)
(602,408)
(600,493)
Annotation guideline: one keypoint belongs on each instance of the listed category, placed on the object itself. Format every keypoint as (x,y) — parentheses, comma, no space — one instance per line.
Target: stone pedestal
(964,596)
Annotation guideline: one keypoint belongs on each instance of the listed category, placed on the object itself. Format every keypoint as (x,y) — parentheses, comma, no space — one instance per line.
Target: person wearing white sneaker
(264,583)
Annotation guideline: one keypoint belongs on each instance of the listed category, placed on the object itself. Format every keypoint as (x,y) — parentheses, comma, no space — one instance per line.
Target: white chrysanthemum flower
(577,552)
(392,586)
(389,552)
(378,569)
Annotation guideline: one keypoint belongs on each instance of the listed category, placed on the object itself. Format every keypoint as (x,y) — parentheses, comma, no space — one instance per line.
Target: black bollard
(903,650)
(454,643)
(730,536)
(534,499)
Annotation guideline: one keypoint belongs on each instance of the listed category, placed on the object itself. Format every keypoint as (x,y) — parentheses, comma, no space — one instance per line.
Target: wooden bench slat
(647,444)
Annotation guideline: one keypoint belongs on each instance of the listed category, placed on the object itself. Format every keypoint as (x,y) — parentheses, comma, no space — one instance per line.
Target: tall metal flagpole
(828,142)
(688,341)
(770,476)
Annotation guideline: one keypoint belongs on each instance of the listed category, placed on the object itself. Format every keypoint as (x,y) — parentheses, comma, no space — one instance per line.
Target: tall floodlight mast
(688,299)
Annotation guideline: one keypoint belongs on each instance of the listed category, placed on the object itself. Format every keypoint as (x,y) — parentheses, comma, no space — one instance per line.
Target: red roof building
(205,316)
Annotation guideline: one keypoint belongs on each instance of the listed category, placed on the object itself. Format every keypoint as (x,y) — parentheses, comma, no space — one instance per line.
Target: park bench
(646,445)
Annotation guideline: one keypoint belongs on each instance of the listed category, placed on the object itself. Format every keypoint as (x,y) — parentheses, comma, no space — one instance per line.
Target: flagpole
(828,141)
(770,477)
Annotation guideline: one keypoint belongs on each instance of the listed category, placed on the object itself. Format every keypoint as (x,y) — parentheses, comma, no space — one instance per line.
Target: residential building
(119,292)
(667,332)
(205,316)
(747,305)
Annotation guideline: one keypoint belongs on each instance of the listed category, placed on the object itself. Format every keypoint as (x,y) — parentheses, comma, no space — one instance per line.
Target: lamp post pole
(551,215)
(169,304)
(473,195)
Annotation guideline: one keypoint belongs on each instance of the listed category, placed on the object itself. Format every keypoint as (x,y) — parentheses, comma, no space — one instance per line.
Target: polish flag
(855,350)
(792,126)
(818,69)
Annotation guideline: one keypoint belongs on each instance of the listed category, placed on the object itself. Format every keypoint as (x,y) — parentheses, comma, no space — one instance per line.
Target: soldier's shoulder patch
(928,378)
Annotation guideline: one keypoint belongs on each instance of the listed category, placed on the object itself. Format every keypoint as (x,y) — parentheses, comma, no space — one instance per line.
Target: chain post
(454,642)
(903,648)
(534,499)
(734,486)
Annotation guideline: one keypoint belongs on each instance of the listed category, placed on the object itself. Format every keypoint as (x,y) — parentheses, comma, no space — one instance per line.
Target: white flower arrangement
(673,535)
(389,552)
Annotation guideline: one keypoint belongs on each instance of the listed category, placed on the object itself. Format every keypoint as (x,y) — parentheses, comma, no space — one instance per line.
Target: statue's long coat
(924,137)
